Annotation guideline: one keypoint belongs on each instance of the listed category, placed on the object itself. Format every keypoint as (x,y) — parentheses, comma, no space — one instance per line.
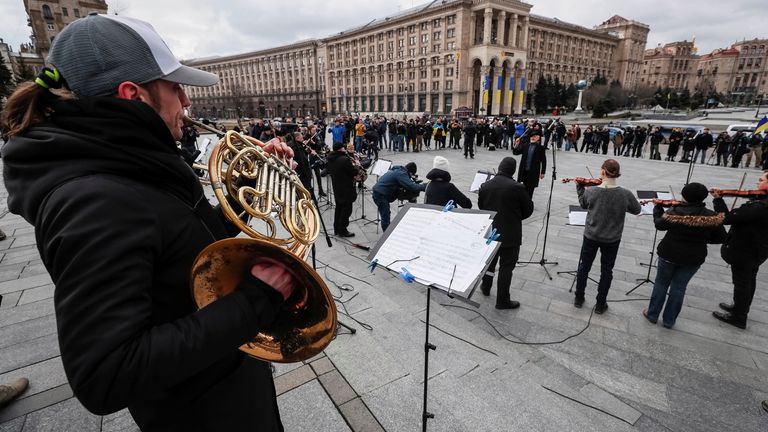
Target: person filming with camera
(390,187)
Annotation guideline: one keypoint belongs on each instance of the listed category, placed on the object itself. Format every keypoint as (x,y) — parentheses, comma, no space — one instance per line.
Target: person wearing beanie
(440,190)
(119,218)
(512,205)
(606,205)
(745,249)
(397,183)
(690,227)
(533,162)
(343,174)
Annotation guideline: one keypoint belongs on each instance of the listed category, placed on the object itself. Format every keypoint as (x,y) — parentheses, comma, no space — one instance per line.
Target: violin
(662,202)
(584,181)
(741,193)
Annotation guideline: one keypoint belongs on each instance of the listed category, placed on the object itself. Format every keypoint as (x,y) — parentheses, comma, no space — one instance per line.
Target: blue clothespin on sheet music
(448,207)
(493,237)
(372,265)
(407,276)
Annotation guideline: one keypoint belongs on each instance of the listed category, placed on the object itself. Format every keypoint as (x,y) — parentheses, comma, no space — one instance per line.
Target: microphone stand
(544,262)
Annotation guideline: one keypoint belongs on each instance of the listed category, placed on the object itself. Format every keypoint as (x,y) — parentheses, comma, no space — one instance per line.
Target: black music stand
(543,262)
(650,265)
(572,210)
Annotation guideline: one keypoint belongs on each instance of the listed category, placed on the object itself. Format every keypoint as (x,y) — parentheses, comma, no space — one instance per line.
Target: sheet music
(430,242)
(577,218)
(381,167)
(480,178)
(647,209)
(203,157)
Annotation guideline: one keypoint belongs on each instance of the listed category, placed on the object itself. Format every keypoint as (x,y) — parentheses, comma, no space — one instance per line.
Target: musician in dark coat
(512,205)
(533,162)
(342,174)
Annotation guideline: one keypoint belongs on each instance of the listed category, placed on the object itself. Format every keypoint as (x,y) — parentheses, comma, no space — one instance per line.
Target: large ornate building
(739,72)
(484,55)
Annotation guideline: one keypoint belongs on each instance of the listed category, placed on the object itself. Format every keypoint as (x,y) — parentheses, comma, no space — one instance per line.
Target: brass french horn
(266,188)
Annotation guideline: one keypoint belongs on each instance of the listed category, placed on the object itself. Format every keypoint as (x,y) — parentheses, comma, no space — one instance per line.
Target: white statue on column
(580,86)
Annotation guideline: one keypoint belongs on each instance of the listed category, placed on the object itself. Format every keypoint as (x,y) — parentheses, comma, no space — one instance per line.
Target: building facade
(285,81)
(482,55)
(674,65)
(740,72)
(49,17)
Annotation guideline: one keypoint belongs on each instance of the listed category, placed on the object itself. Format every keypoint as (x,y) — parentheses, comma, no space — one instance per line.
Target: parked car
(746,128)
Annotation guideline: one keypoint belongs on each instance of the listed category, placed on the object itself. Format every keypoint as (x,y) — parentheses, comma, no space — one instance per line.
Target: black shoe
(578,302)
(728,318)
(508,305)
(765,405)
(485,290)
(600,308)
(2,235)
(728,307)
(645,314)
(345,234)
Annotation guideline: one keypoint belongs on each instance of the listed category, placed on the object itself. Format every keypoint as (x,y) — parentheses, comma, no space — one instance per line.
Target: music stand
(647,278)
(577,216)
(543,262)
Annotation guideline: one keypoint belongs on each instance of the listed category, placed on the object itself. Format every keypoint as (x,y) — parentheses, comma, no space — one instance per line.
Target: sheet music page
(577,218)
(440,240)
(480,178)
(381,167)
(647,209)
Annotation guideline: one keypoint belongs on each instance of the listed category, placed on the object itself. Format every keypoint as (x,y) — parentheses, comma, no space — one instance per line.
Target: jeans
(608,253)
(359,144)
(400,142)
(506,256)
(671,280)
(382,203)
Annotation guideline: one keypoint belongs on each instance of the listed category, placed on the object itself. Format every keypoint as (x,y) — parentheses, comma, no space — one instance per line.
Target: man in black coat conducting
(512,204)
(533,163)
(343,180)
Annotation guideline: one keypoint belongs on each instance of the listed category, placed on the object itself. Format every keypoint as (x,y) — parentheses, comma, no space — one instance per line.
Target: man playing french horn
(119,218)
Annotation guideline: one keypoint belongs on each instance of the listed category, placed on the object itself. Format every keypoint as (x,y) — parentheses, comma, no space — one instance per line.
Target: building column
(513,36)
(519,97)
(501,28)
(524,42)
(485,89)
(472,28)
(498,90)
(508,105)
(487,26)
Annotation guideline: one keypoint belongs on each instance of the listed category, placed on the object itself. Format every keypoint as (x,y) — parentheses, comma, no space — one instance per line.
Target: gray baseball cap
(96,53)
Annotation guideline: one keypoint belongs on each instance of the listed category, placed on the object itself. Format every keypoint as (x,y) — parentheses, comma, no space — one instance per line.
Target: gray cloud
(199,28)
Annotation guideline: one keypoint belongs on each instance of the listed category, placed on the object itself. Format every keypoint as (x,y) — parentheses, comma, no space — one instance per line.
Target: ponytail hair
(31,102)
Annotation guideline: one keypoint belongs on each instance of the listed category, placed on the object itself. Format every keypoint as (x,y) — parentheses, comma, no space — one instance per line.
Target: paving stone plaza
(621,374)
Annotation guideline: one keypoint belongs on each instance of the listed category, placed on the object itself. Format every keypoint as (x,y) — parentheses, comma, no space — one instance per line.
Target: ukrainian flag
(762,125)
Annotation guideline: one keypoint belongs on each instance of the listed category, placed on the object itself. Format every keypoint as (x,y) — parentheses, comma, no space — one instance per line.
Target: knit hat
(338,146)
(441,163)
(96,53)
(695,193)
(507,166)
(411,167)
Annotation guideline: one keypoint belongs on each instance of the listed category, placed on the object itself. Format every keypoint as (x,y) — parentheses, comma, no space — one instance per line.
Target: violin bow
(590,173)
(741,185)
(671,191)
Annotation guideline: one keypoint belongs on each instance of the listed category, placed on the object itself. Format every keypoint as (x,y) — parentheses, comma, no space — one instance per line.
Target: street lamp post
(759,102)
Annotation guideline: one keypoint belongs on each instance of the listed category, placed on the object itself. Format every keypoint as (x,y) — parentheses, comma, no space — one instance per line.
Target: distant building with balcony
(481,54)
(672,65)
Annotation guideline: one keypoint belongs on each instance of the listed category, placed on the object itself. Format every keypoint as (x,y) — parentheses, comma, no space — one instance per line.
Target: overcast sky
(201,28)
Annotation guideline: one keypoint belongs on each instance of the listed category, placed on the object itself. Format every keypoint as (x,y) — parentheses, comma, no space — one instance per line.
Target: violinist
(606,205)
(690,227)
(745,249)
(343,174)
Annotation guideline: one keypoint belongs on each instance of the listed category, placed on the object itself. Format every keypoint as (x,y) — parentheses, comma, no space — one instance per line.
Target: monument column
(487,26)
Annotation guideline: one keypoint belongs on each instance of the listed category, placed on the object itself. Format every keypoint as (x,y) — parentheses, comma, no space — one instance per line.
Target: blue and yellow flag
(762,125)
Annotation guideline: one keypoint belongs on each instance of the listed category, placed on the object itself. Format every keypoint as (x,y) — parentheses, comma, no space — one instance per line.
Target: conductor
(533,163)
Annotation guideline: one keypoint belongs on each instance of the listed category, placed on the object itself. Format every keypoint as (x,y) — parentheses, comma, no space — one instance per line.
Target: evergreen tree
(6,81)
(541,94)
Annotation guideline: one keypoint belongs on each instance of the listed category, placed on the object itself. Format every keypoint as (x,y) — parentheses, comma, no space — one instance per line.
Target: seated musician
(440,190)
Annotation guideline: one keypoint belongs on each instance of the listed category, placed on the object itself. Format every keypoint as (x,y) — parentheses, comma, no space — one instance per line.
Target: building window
(450,33)
(449,85)
(437,22)
(47,14)
(77,12)
(451,19)
(51,27)
(436,35)
(64,11)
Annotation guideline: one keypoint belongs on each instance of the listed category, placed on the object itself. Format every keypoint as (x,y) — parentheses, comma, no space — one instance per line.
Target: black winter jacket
(343,176)
(689,227)
(747,240)
(440,190)
(119,219)
(512,205)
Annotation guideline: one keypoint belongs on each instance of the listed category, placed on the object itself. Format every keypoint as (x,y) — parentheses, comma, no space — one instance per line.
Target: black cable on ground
(521,342)
(586,405)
